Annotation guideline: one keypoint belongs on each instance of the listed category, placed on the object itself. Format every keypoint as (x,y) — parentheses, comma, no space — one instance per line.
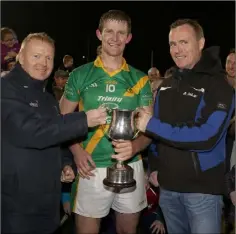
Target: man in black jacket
(32,131)
(192,111)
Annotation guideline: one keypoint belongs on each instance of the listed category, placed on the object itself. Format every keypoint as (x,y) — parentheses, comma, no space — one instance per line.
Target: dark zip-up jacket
(32,131)
(192,111)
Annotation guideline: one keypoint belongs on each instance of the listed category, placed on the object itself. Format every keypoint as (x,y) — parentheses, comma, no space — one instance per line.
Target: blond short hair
(41,36)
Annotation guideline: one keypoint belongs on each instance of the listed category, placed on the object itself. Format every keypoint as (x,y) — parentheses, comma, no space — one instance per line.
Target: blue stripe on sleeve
(186,134)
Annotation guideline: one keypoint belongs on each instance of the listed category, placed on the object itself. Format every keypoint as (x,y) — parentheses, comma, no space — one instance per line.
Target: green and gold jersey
(91,85)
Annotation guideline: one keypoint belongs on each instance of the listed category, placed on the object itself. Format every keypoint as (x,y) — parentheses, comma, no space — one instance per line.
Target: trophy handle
(136,111)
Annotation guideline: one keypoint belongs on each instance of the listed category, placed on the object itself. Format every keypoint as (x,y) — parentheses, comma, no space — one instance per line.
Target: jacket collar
(23,79)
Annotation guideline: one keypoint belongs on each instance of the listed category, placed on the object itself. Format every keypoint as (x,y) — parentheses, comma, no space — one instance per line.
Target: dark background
(72,25)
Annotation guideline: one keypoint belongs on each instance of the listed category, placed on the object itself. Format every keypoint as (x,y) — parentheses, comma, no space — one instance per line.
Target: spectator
(9,45)
(169,72)
(99,50)
(230,67)
(151,220)
(60,79)
(68,64)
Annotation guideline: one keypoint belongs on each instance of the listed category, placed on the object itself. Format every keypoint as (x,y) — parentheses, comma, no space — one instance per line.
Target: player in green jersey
(111,81)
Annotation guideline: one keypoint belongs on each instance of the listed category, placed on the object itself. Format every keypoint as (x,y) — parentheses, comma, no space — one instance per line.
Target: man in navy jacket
(32,133)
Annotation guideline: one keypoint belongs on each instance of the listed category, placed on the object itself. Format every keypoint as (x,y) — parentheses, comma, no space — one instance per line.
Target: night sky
(72,25)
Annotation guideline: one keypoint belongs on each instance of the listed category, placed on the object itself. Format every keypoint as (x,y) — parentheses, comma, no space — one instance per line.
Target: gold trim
(137,87)
(98,63)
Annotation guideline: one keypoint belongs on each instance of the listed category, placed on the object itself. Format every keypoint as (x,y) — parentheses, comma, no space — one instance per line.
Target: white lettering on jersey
(110,99)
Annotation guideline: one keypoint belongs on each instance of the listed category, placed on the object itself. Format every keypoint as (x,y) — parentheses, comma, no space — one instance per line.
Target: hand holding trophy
(119,177)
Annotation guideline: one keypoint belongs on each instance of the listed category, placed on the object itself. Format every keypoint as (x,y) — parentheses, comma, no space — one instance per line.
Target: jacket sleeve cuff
(76,125)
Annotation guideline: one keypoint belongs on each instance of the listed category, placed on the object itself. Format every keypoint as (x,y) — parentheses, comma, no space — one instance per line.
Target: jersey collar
(98,63)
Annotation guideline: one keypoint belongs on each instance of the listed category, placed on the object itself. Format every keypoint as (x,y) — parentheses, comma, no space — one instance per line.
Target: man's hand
(67,174)
(84,163)
(157,227)
(96,117)
(233,197)
(142,120)
(153,179)
(124,150)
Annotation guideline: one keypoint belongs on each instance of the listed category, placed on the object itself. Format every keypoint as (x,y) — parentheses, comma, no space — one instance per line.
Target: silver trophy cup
(119,176)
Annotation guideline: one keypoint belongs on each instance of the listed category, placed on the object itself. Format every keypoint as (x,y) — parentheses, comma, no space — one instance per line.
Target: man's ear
(99,35)
(201,43)
(20,58)
(129,38)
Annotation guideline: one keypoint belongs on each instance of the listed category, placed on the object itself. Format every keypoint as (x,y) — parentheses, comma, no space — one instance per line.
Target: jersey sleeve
(71,92)
(145,92)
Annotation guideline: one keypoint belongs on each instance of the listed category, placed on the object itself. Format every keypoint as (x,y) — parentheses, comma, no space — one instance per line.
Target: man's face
(153,74)
(61,81)
(185,48)
(69,63)
(114,37)
(37,59)
(9,40)
(230,65)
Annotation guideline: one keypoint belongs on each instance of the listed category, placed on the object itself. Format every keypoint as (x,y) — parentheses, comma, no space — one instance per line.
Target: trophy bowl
(119,178)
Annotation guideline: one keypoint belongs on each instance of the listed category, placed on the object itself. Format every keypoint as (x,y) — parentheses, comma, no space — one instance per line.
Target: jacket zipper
(178,83)
(193,154)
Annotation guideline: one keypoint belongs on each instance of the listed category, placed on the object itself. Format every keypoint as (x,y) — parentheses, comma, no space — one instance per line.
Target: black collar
(23,79)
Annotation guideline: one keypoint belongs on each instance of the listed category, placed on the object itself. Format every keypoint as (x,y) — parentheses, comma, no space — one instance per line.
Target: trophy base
(119,187)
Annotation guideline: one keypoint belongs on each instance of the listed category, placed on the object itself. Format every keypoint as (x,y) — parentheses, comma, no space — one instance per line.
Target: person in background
(231,77)
(153,74)
(9,45)
(33,131)
(230,139)
(230,67)
(155,79)
(151,220)
(68,64)
(192,112)
(231,193)
(169,72)
(10,64)
(99,50)
(60,79)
